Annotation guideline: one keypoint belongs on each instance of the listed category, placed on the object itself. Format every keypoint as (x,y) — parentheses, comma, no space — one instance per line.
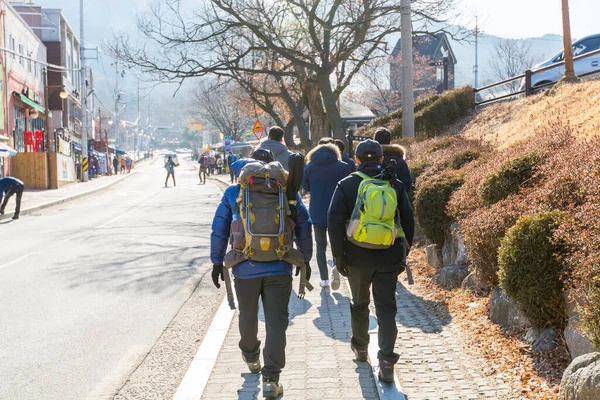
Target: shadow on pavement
(250,389)
(365,378)
(416,312)
(334,316)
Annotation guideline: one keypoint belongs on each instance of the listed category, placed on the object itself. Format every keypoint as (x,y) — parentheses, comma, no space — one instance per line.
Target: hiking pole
(409,276)
(227,279)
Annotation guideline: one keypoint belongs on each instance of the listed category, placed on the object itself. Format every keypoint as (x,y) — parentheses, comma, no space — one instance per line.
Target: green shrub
(430,205)
(452,105)
(458,160)
(507,178)
(416,170)
(529,270)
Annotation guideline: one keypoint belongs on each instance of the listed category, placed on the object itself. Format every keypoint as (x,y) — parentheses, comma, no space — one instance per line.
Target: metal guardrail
(529,90)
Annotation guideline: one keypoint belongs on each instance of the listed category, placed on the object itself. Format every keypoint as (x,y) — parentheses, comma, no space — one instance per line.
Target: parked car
(583,66)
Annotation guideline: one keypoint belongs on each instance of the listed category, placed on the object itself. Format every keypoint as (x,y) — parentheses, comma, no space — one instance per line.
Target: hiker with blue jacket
(324,169)
(270,281)
(10,186)
(371,228)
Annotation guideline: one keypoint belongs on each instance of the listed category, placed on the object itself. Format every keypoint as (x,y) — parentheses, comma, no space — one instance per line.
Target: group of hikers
(122,164)
(262,230)
(214,164)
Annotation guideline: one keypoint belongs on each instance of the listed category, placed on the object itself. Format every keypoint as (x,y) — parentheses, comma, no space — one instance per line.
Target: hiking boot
(271,390)
(361,355)
(335,279)
(324,284)
(386,371)
(16,216)
(1,212)
(253,366)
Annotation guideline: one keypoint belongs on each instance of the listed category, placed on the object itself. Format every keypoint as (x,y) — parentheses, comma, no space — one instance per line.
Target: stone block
(474,283)
(581,379)
(451,276)
(504,311)
(434,257)
(542,340)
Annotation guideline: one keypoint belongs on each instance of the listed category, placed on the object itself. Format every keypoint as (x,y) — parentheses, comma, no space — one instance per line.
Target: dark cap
(369,150)
(262,155)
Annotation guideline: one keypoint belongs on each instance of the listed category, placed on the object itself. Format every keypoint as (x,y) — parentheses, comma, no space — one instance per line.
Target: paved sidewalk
(34,200)
(434,363)
(319,364)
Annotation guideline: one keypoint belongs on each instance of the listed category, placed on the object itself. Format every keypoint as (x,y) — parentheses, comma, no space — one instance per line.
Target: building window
(13,47)
(21,58)
(19,129)
(29,62)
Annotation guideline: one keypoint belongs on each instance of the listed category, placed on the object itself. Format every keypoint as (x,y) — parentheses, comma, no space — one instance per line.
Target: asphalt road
(87,288)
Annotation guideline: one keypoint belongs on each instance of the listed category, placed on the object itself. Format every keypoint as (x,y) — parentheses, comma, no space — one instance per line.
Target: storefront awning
(32,103)
(4,138)
(77,147)
(121,152)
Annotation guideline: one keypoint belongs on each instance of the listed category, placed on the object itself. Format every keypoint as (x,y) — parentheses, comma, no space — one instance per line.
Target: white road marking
(16,261)
(195,380)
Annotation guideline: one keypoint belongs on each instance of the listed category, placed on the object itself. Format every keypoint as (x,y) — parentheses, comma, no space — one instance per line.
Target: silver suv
(582,66)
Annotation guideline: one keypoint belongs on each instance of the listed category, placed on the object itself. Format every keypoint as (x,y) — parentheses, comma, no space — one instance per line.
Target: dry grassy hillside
(504,124)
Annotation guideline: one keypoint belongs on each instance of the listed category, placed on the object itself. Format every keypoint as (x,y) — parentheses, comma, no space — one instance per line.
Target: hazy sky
(533,18)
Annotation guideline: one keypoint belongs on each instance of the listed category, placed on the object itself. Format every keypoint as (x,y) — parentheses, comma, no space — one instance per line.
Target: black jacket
(339,214)
(396,152)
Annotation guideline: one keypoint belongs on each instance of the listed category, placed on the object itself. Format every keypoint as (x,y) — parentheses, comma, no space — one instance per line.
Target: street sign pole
(84,94)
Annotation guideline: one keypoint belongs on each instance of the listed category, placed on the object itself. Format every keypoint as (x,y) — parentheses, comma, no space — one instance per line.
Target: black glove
(308,270)
(342,266)
(216,273)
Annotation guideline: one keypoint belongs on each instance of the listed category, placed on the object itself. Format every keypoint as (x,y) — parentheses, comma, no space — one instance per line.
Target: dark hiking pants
(384,281)
(18,190)
(321,239)
(168,175)
(275,294)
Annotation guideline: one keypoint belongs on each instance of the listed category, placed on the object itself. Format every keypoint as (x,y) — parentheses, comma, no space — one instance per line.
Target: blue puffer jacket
(228,211)
(321,175)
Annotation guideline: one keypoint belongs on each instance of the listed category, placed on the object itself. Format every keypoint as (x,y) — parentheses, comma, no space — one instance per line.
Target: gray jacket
(279,150)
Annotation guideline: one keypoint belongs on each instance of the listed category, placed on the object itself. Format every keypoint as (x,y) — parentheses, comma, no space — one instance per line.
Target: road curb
(53,203)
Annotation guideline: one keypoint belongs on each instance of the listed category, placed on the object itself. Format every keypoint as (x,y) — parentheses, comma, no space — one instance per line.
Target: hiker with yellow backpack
(371,228)
(262,223)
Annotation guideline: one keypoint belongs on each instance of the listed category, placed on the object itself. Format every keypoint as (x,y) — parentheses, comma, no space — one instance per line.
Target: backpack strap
(362,175)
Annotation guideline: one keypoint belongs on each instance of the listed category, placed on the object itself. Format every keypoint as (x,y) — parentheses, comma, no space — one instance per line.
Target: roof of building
(428,45)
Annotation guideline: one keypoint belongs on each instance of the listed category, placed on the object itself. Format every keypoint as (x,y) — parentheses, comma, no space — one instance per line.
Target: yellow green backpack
(374,223)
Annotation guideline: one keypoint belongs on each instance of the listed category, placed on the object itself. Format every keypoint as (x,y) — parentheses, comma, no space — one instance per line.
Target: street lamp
(63,94)
(34,114)
(110,121)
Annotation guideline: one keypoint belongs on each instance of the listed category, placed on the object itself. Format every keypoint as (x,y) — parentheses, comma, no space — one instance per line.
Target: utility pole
(84,94)
(117,95)
(569,69)
(47,129)
(476,67)
(408,95)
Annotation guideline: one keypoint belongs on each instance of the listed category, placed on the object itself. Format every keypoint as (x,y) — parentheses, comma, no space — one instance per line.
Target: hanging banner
(64,147)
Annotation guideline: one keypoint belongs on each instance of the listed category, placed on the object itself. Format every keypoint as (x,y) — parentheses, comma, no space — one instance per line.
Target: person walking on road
(212,166)
(394,152)
(204,163)
(267,281)
(274,143)
(219,165)
(372,256)
(123,165)
(324,169)
(170,167)
(8,187)
(231,158)
(116,164)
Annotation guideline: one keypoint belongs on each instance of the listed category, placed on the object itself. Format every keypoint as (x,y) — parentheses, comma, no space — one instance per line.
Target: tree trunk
(319,126)
(330,102)
(298,120)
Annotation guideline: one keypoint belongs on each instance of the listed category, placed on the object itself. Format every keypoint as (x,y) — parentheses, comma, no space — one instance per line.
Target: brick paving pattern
(319,363)
(433,362)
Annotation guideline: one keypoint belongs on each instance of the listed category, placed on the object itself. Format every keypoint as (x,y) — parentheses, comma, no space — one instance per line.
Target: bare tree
(511,58)
(218,103)
(320,45)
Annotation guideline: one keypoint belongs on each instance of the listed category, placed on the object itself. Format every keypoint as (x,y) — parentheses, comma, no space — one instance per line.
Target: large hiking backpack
(264,231)
(374,223)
